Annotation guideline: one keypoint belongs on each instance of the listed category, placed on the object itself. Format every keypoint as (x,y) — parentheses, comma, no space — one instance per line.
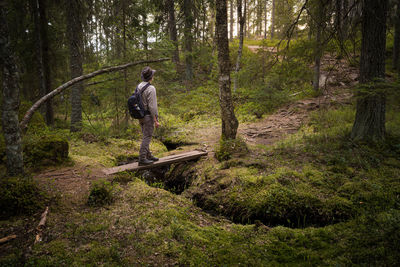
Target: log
(163,161)
(28,115)
(41,225)
(7,238)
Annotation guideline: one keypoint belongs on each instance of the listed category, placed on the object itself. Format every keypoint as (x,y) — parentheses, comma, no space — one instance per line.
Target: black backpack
(135,103)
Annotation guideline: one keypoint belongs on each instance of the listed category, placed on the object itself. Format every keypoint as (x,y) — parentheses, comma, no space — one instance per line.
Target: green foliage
(102,193)
(229,148)
(20,196)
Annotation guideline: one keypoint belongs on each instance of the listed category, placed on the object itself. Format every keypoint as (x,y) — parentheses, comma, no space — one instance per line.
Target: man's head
(147,74)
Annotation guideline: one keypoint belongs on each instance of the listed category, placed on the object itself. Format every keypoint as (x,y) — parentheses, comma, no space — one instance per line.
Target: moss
(20,196)
(228,149)
(101,193)
(45,149)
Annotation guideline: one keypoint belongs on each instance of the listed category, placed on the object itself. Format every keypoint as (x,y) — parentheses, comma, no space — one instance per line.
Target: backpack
(135,103)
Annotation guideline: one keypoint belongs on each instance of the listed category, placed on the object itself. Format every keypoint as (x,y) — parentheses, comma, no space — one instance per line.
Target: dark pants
(147,125)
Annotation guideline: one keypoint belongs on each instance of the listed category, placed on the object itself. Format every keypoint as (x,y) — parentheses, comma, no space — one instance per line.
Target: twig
(7,238)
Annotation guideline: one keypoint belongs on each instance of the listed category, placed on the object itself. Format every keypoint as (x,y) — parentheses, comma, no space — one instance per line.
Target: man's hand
(157,124)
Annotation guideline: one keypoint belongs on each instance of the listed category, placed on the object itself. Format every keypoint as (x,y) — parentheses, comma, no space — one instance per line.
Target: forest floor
(148,225)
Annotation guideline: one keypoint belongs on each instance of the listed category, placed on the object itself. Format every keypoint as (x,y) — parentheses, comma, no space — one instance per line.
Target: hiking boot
(152,158)
(144,162)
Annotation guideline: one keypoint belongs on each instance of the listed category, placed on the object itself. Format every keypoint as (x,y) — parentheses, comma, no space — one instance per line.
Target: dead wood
(7,238)
(41,225)
(28,115)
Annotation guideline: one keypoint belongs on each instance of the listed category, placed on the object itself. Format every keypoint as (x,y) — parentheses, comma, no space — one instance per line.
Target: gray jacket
(149,99)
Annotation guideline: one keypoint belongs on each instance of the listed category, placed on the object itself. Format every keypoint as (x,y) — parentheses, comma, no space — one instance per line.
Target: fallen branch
(28,115)
(7,238)
(40,226)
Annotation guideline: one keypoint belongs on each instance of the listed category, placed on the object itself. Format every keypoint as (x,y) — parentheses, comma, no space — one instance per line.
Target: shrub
(19,196)
(101,193)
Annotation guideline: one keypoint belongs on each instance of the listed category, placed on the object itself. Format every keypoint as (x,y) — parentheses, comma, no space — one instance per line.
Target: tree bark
(369,123)
(10,105)
(173,35)
(273,20)
(41,24)
(28,115)
(229,121)
(74,26)
(231,20)
(319,14)
(396,42)
(188,17)
(242,20)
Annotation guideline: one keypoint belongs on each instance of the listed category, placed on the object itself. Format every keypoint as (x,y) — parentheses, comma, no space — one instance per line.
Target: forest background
(330,189)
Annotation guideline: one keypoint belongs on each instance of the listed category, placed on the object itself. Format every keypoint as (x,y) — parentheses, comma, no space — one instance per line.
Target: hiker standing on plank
(150,120)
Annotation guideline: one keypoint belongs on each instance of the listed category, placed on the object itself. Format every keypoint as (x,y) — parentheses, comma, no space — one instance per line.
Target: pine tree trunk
(396,45)
(229,121)
(273,20)
(369,123)
(319,14)
(265,19)
(231,20)
(188,14)
(10,105)
(74,28)
(145,37)
(41,24)
(173,36)
(242,20)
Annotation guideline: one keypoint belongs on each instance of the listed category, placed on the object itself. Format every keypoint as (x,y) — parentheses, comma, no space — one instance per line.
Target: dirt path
(336,77)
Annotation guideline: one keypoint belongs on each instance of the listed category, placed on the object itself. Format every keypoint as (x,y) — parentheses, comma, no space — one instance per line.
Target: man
(150,120)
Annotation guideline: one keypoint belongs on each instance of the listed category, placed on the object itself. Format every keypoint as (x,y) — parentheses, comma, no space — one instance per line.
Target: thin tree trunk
(188,14)
(231,20)
(396,42)
(145,37)
(229,121)
(273,20)
(10,105)
(242,20)
(338,19)
(265,18)
(319,14)
(369,123)
(28,115)
(173,36)
(74,28)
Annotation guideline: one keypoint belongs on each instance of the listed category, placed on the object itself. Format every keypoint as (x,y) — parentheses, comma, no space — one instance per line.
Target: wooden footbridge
(161,162)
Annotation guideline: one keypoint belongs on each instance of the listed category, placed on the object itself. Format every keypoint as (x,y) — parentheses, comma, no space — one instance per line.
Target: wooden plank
(161,162)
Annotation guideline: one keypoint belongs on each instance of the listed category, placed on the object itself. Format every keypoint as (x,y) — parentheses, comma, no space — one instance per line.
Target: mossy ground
(315,198)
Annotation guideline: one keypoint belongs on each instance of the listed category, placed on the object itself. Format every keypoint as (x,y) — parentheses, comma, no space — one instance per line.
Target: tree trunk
(265,19)
(273,20)
(188,14)
(145,37)
(338,19)
(242,20)
(173,35)
(231,20)
(41,24)
(10,105)
(229,121)
(369,123)
(396,42)
(319,14)
(74,28)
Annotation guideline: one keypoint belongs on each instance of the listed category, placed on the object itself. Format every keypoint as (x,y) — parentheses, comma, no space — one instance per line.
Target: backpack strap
(144,88)
(141,93)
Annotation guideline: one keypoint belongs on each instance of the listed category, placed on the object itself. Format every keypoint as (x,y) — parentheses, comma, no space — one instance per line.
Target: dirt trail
(336,77)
